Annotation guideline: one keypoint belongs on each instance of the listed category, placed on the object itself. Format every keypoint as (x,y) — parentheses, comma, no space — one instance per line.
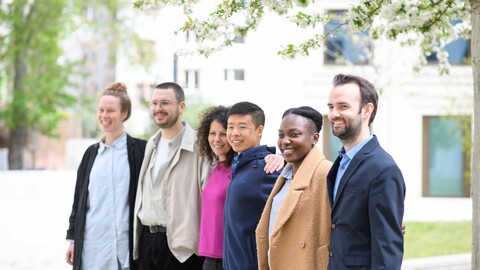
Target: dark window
(446,163)
(234,74)
(239,39)
(191,79)
(459,51)
(331,144)
(344,46)
(190,37)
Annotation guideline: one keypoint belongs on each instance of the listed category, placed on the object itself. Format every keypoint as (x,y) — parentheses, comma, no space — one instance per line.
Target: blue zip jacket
(247,194)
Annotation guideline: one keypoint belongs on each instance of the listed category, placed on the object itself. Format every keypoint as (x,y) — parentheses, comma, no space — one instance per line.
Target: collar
(287,172)
(119,143)
(248,152)
(350,154)
(186,138)
(177,140)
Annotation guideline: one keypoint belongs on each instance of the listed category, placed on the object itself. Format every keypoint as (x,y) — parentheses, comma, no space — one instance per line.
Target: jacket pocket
(355,189)
(322,254)
(357,260)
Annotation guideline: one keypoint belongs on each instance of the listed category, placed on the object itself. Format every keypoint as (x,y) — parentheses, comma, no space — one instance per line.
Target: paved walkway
(449,262)
(43,200)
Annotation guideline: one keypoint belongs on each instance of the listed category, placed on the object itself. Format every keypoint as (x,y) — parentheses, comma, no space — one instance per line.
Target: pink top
(213,201)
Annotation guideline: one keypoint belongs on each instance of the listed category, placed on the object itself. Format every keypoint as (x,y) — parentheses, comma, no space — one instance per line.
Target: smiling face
(242,134)
(110,116)
(296,137)
(217,138)
(346,117)
(165,108)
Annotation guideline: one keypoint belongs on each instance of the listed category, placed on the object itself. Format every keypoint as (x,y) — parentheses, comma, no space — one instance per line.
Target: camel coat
(301,234)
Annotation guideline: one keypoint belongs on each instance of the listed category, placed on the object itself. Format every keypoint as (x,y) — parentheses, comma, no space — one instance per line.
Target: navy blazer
(368,212)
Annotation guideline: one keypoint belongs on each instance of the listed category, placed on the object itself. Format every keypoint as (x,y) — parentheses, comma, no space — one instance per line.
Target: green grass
(425,239)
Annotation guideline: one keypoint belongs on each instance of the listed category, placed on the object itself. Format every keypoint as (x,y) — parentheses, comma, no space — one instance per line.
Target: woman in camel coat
(294,230)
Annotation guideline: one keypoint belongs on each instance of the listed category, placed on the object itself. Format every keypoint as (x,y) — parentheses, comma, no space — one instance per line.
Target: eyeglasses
(161,103)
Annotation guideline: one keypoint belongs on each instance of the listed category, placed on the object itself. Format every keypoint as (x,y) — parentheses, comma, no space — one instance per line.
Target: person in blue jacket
(249,188)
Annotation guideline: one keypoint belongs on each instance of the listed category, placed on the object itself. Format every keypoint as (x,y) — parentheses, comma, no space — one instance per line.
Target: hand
(69,254)
(273,163)
(404,228)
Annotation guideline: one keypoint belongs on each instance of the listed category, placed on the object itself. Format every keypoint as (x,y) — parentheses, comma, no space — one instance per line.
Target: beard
(351,129)
(170,121)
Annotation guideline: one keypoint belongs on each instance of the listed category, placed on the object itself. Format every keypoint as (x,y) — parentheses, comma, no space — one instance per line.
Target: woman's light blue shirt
(107,220)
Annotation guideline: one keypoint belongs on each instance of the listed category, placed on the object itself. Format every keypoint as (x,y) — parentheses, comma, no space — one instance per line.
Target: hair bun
(118,86)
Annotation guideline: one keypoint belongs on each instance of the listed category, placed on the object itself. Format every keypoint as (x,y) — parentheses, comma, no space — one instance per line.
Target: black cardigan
(136,151)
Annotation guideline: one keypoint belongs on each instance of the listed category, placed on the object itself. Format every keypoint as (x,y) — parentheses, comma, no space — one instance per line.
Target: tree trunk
(475,180)
(15,148)
(18,133)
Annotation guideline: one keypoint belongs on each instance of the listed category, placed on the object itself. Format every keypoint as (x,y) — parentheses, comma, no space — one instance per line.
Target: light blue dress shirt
(107,220)
(287,173)
(345,161)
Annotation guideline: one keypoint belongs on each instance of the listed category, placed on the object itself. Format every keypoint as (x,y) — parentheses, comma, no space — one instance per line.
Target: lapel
(144,176)
(331,176)
(301,181)
(352,167)
(187,143)
(131,156)
(356,161)
(151,147)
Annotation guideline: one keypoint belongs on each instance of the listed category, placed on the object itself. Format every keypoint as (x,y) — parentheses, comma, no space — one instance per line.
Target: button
(330,253)
(333,226)
(302,244)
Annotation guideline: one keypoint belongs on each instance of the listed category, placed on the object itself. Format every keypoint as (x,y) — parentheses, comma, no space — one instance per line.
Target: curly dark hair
(218,113)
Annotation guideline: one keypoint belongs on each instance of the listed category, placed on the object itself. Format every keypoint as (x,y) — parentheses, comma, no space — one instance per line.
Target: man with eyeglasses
(168,201)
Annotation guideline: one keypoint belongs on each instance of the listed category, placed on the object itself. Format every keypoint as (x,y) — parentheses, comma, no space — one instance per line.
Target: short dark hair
(179,94)
(211,114)
(368,93)
(307,112)
(248,108)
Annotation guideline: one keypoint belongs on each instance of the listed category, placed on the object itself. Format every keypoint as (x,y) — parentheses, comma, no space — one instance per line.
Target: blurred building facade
(418,119)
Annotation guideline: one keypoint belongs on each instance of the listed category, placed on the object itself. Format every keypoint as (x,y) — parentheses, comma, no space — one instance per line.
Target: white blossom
(411,22)
(278,6)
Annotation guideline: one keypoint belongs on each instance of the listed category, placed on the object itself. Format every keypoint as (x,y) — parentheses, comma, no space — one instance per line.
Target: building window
(446,164)
(343,46)
(331,144)
(191,79)
(239,39)
(459,51)
(234,75)
(190,37)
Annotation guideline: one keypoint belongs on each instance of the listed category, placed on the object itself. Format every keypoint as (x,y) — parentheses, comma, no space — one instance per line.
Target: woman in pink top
(212,143)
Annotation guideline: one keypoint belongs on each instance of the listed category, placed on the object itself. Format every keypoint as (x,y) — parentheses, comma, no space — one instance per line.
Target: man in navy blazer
(365,186)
